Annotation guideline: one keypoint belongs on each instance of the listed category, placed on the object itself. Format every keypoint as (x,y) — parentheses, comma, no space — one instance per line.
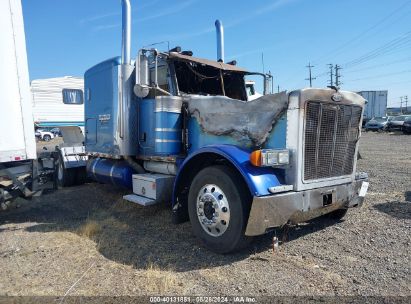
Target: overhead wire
(381,75)
(395,44)
(380,65)
(342,47)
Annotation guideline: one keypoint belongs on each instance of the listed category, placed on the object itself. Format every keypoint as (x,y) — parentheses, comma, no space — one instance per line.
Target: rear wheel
(218,207)
(65,176)
(46,137)
(81,175)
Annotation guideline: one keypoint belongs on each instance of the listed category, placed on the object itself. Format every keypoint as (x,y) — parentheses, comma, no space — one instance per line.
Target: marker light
(269,158)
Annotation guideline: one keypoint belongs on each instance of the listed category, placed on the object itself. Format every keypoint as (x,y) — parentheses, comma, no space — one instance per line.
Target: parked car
(396,122)
(365,120)
(377,124)
(406,127)
(56,132)
(45,135)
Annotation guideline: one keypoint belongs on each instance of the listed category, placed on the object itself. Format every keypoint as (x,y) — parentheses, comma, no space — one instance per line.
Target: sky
(370,40)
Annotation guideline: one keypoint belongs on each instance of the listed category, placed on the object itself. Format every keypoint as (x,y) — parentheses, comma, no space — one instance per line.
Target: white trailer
(58,102)
(17,142)
(376,103)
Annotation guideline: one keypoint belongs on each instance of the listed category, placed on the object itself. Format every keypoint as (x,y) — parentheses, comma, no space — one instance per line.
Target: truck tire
(81,175)
(46,137)
(219,206)
(65,176)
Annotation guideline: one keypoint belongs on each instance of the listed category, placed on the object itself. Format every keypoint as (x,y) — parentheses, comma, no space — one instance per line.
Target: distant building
(398,111)
(376,103)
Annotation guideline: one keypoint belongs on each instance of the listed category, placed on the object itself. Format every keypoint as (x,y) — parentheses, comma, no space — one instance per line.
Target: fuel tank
(160,126)
(110,171)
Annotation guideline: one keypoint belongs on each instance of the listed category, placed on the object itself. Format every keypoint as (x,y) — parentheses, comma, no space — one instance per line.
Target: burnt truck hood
(245,121)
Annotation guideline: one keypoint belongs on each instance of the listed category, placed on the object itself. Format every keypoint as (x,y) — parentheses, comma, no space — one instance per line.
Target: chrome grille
(331,135)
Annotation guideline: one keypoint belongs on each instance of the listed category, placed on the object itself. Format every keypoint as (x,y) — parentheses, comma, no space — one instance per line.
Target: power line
(379,65)
(401,41)
(381,75)
(342,47)
(387,51)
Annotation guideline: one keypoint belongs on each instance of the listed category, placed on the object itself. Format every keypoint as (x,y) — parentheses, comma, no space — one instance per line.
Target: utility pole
(278,89)
(401,104)
(309,66)
(337,75)
(331,74)
(406,104)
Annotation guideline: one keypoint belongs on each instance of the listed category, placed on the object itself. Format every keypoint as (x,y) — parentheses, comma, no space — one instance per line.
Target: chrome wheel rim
(213,210)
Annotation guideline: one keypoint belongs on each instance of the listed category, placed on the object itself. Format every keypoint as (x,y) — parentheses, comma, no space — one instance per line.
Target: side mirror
(142,86)
(141,91)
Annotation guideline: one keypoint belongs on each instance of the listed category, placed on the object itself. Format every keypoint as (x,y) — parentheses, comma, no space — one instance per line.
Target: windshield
(379,119)
(399,118)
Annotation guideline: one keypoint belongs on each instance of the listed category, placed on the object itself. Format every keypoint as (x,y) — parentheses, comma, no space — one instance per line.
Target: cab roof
(215,64)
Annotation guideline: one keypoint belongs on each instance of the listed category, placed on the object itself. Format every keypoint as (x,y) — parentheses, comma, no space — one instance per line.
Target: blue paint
(159,132)
(101,110)
(197,138)
(168,133)
(110,171)
(278,135)
(258,179)
(101,90)
(146,123)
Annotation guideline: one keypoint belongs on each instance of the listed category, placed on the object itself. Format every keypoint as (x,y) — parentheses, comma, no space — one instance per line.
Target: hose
(133,164)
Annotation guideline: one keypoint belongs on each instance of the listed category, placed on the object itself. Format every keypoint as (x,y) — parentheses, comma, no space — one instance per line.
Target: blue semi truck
(182,130)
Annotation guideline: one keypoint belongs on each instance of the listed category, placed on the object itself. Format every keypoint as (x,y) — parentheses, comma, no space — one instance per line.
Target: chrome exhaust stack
(220,40)
(126,32)
(127,135)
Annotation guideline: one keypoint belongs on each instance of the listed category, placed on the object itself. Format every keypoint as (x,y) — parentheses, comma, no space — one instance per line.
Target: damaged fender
(258,179)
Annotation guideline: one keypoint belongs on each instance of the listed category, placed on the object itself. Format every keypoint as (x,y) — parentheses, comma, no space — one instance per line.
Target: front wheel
(46,137)
(219,206)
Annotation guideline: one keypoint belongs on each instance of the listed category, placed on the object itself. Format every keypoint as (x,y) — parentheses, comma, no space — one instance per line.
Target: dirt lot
(87,241)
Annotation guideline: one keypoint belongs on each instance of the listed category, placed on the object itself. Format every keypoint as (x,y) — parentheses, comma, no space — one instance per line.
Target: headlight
(284,158)
(270,157)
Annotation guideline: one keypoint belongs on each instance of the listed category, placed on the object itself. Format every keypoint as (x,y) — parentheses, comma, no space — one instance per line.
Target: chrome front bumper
(294,207)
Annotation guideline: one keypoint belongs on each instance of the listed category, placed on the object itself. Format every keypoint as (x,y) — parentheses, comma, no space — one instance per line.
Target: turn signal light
(255,158)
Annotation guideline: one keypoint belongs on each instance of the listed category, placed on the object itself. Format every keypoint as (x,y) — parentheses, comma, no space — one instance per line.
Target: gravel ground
(87,241)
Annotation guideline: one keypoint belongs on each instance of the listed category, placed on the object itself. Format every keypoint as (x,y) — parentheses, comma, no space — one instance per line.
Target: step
(141,200)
